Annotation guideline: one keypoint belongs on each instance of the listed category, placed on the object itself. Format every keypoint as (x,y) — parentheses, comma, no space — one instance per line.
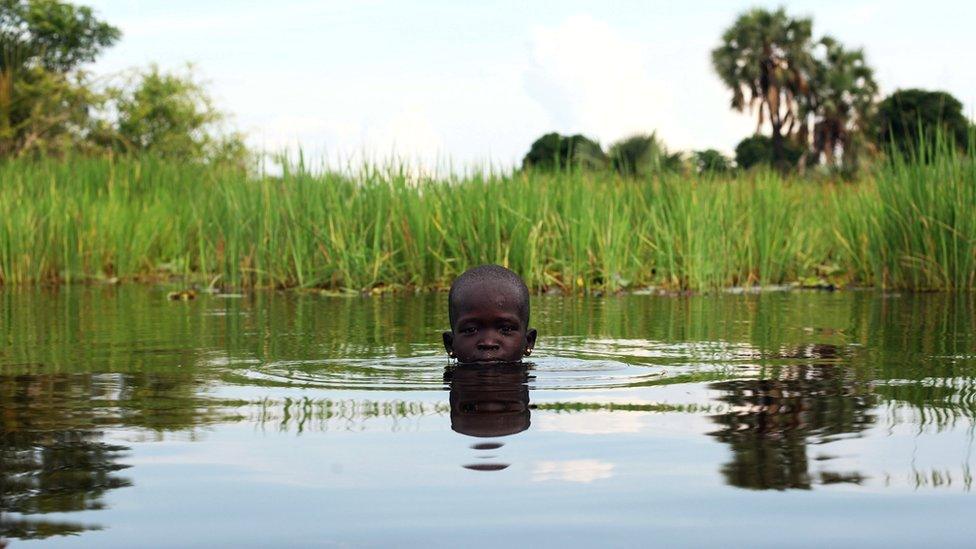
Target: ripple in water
(597,364)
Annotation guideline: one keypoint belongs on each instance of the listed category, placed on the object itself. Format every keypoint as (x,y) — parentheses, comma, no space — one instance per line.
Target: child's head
(489,312)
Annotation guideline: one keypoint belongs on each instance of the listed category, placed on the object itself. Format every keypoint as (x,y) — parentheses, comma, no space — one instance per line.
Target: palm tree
(840,107)
(765,60)
(642,155)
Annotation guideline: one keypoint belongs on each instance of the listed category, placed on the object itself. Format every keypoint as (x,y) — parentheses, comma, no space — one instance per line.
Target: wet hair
(489,274)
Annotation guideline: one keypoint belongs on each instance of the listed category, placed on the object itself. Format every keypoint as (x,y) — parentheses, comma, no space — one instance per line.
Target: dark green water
(281,419)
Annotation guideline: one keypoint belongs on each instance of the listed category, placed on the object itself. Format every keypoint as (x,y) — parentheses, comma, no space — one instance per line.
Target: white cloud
(592,79)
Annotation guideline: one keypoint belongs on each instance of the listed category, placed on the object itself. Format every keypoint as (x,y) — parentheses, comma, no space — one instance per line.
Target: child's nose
(488,342)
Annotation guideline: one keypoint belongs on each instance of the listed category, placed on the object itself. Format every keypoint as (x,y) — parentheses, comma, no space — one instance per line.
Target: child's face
(488,327)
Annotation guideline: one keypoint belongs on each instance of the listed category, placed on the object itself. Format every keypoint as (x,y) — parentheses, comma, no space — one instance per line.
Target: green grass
(915,227)
(906,225)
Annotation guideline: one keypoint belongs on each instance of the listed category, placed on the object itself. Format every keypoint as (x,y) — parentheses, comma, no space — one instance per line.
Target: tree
(711,161)
(168,114)
(55,35)
(48,104)
(914,118)
(642,155)
(757,150)
(765,60)
(51,113)
(41,42)
(839,106)
(554,151)
(162,112)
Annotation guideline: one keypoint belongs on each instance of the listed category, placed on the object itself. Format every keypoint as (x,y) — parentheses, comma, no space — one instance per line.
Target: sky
(462,84)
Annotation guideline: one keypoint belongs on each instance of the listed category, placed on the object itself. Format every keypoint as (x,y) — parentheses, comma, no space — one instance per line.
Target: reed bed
(906,225)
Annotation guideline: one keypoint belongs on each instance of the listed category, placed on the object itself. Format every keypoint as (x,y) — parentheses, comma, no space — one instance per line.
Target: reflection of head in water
(489,400)
(488,309)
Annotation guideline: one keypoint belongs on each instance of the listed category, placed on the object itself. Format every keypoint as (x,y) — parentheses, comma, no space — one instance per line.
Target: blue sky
(477,82)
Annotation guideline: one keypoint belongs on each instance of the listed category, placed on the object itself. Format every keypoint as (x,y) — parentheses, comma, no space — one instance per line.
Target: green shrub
(757,150)
(643,155)
(908,118)
(559,152)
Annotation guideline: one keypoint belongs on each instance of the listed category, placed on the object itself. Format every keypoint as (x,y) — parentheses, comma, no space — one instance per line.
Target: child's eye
(507,330)
(468,330)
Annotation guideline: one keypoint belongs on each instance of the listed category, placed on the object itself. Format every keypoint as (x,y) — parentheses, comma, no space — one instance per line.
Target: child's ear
(530,338)
(448,342)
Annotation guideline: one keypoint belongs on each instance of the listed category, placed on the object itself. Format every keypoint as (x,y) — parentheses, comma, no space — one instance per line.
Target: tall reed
(909,225)
(915,226)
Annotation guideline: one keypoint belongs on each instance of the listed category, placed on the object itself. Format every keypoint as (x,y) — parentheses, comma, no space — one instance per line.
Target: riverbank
(904,226)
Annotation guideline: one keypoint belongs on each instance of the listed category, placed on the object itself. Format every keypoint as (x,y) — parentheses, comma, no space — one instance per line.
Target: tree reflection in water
(772,421)
(52,458)
(53,455)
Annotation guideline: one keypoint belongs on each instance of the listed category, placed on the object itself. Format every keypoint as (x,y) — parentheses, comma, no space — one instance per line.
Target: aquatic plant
(914,226)
(906,225)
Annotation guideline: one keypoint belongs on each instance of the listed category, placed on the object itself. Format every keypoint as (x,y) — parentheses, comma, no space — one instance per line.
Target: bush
(913,118)
(555,152)
(711,161)
(170,115)
(643,155)
(757,150)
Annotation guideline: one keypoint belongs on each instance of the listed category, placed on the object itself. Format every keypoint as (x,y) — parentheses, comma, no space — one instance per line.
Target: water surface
(285,419)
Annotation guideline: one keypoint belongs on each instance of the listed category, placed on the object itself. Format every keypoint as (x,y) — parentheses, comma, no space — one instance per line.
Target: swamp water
(284,419)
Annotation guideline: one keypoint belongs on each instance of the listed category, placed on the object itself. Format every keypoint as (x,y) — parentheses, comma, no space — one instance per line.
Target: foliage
(577,230)
(915,228)
(43,108)
(816,93)
(757,150)
(711,161)
(141,216)
(556,152)
(50,113)
(168,114)
(765,59)
(643,155)
(57,36)
(48,106)
(909,117)
(840,104)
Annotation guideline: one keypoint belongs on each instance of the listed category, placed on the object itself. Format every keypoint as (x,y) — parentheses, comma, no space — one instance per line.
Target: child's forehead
(487,294)
(489,284)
